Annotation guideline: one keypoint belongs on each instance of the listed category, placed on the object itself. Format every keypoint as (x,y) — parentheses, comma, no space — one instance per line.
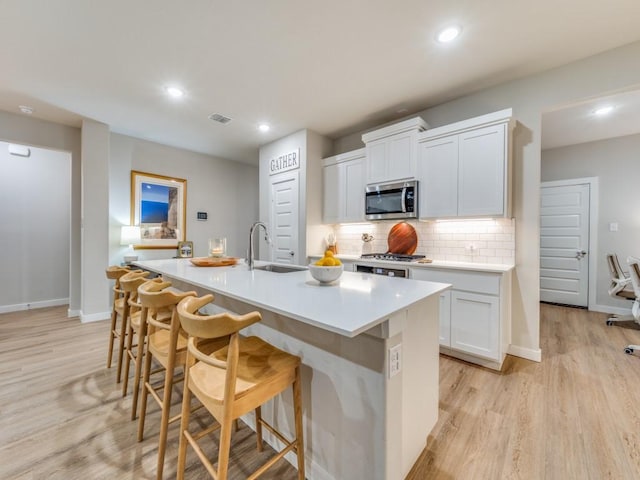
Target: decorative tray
(214,261)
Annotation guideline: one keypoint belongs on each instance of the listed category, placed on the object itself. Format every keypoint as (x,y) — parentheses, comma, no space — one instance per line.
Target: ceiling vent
(216,117)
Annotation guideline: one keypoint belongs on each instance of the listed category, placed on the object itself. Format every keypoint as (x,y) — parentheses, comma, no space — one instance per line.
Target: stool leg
(125,381)
(297,411)
(114,316)
(225,446)
(166,407)
(184,420)
(259,428)
(143,404)
(140,352)
(123,331)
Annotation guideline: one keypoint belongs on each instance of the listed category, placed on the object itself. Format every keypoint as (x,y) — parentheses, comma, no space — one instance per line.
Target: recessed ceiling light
(607,109)
(263,127)
(448,34)
(26,109)
(174,92)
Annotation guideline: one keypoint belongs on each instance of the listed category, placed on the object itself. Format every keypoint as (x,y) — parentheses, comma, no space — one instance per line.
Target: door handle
(291,253)
(580,254)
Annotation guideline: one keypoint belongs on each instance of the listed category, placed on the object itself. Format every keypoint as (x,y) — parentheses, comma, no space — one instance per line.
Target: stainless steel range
(390,272)
(396,257)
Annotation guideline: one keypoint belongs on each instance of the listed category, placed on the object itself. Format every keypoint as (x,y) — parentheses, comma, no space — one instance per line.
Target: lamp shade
(129,235)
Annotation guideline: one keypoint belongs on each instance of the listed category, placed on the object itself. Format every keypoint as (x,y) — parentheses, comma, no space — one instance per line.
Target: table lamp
(129,235)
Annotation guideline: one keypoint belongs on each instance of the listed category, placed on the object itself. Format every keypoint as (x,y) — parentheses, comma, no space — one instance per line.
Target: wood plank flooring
(575,415)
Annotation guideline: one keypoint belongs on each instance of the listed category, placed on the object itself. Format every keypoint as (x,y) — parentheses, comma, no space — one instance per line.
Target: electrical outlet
(395,360)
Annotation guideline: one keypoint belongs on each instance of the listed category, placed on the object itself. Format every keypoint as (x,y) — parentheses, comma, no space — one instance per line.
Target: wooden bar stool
(115,272)
(233,381)
(135,352)
(167,344)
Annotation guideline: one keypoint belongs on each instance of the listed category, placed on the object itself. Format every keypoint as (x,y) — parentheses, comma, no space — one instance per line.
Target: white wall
(529,97)
(616,164)
(35,207)
(226,190)
(29,131)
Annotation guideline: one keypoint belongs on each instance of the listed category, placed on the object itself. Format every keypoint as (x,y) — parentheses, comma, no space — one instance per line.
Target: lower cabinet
(475,324)
(475,314)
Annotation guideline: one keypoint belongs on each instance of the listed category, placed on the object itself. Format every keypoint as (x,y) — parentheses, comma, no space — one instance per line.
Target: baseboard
(610,309)
(73,313)
(534,354)
(32,305)
(94,317)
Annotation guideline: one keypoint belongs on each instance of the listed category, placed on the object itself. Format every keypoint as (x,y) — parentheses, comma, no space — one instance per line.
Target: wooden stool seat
(233,381)
(260,366)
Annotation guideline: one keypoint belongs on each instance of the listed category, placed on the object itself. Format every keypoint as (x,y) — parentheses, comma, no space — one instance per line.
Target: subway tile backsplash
(474,241)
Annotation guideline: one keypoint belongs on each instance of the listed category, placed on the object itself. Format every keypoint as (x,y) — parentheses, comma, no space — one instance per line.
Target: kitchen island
(369,349)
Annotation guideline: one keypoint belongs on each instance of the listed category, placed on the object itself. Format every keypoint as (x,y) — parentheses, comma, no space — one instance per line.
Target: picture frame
(185,249)
(158,206)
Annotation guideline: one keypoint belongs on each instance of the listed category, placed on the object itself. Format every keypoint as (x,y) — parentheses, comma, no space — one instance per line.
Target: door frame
(593,228)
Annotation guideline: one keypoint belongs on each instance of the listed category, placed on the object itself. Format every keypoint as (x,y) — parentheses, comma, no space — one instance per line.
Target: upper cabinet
(464,168)
(344,183)
(392,152)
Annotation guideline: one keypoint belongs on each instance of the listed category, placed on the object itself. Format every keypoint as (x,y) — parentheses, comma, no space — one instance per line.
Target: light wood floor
(576,415)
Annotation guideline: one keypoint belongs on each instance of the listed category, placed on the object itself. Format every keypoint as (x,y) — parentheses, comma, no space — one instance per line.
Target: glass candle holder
(217,247)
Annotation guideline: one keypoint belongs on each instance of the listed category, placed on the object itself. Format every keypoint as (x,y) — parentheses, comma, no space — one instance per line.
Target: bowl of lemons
(328,269)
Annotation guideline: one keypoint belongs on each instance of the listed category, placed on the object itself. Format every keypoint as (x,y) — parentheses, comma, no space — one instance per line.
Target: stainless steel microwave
(391,200)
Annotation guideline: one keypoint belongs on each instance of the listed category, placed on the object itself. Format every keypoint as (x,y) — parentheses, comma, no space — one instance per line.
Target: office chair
(634,274)
(620,287)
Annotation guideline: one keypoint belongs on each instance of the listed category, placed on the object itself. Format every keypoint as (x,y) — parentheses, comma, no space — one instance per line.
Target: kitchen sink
(280,268)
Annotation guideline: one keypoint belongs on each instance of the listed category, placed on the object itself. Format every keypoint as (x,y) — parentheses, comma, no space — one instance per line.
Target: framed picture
(158,205)
(185,249)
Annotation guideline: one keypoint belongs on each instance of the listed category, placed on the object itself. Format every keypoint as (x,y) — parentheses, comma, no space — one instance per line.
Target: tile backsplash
(475,241)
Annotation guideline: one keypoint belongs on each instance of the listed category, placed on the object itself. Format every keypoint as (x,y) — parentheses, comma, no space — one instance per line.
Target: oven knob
(391,274)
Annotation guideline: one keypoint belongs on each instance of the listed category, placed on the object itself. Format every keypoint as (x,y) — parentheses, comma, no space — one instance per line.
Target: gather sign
(283,163)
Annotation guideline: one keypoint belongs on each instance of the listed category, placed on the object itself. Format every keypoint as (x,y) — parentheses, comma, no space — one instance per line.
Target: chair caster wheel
(609,322)
(628,350)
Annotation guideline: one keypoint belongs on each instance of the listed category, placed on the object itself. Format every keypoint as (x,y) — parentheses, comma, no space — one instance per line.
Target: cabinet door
(481,174)
(438,177)
(401,163)
(331,196)
(445,318)
(377,161)
(475,324)
(353,196)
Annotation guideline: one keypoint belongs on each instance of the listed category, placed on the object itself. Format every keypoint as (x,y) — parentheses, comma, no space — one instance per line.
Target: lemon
(319,262)
(328,253)
(337,262)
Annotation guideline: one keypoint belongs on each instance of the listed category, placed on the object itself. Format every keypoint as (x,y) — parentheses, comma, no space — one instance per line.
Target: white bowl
(326,274)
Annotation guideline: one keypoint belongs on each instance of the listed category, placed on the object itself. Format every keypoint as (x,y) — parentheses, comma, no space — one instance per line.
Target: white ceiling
(333,66)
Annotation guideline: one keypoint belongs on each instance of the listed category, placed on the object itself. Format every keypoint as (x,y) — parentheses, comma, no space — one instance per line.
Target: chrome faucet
(266,239)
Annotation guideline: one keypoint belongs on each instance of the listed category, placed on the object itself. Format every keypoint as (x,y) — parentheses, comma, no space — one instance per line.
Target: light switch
(613,226)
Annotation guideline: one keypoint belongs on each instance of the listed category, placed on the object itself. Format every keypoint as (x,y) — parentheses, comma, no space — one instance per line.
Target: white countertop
(353,304)
(475,267)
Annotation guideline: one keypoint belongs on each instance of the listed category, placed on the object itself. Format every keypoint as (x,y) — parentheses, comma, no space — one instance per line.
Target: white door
(564,244)
(284,218)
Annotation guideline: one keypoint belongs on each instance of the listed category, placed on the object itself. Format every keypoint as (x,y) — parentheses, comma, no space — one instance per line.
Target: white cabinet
(343,196)
(475,325)
(392,152)
(475,315)
(464,168)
